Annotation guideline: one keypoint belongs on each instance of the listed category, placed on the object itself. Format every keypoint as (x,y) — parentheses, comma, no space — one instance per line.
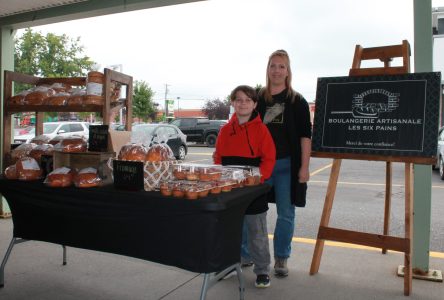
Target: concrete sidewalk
(35,271)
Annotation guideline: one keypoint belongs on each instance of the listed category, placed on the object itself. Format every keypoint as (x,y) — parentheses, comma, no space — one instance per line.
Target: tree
(143,105)
(217,109)
(49,56)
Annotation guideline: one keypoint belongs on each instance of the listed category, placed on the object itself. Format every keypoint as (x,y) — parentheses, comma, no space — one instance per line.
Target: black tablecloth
(201,235)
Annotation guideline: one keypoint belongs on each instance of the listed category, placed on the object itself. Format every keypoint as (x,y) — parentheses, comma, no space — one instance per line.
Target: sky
(201,51)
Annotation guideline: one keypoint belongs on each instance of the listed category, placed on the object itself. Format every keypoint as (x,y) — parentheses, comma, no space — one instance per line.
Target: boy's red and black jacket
(247,144)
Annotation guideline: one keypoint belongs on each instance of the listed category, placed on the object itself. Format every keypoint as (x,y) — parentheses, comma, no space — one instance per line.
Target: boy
(245,140)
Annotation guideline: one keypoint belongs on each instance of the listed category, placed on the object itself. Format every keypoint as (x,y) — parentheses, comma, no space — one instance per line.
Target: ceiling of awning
(8,8)
(16,14)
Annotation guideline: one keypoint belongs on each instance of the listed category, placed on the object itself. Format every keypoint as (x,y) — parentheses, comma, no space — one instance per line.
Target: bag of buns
(19,98)
(41,139)
(39,150)
(134,152)
(55,140)
(58,99)
(87,177)
(72,144)
(22,151)
(76,97)
(28,169)
(60,177)
(11,172)
(38,95)
(60,87)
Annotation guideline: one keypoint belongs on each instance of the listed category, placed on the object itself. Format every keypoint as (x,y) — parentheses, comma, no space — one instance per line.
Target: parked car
(200,130)
(149,133)
(53,129)
(440,153)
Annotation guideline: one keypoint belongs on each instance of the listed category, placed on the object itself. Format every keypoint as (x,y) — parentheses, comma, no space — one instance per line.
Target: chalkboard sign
(98,138)
(128,175)
(390,115)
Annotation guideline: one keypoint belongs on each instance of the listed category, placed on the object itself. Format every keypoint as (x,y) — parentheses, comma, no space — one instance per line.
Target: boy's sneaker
(280,267)
(262,281)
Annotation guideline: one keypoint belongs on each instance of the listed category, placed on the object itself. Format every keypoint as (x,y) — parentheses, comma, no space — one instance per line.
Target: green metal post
(6,63)
(423,47)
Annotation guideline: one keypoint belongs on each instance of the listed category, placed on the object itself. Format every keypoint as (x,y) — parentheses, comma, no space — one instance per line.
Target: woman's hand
(304,175)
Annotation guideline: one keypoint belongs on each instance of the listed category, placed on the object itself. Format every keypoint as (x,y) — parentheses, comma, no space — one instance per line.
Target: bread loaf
(11,172)
(135,152)
(28,169)
(60,177)
(71,144)
(87,178)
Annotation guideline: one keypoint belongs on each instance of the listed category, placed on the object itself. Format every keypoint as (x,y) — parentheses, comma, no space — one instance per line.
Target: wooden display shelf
(16,108)
(106,109)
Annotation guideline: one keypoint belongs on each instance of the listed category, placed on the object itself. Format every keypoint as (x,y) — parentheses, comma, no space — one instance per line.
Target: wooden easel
(384,241)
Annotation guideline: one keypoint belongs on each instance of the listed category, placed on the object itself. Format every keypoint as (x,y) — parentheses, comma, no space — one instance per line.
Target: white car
(53,129)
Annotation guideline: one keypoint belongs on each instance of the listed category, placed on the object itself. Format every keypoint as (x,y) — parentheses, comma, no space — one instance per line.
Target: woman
(286,114)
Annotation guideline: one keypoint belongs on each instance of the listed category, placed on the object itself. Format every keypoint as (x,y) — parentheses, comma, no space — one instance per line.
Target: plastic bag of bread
(19,98)
(39,150)
(22,151)
(159,152)
(61,87)
(87,177)
(38,95)
(60,177)
(58,99)
(11,172)
(135,152)
(71,144)
(41,139)
(93,100)
(76,97)
(55,140)
(28,169)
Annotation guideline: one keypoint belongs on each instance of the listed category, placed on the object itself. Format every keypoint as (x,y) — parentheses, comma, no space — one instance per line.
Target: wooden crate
(80,160)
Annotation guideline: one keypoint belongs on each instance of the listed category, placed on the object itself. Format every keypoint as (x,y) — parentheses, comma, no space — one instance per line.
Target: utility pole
(166,101)
(166,90)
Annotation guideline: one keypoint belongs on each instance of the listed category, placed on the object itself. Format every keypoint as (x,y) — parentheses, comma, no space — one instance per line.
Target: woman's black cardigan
(297,124)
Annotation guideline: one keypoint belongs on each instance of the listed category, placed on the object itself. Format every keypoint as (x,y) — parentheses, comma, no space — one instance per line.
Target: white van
(53,129)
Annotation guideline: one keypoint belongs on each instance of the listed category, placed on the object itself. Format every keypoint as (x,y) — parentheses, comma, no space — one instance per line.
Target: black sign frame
(98,138)
(128,175)
(387,117)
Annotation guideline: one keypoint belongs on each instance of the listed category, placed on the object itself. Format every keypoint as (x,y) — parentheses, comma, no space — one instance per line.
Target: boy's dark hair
(248,90)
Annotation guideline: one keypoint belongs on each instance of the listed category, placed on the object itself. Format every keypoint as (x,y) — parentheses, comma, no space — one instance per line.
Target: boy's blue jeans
(283,233)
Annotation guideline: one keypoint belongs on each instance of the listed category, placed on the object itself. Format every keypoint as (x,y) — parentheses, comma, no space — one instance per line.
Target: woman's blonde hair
(266,92)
